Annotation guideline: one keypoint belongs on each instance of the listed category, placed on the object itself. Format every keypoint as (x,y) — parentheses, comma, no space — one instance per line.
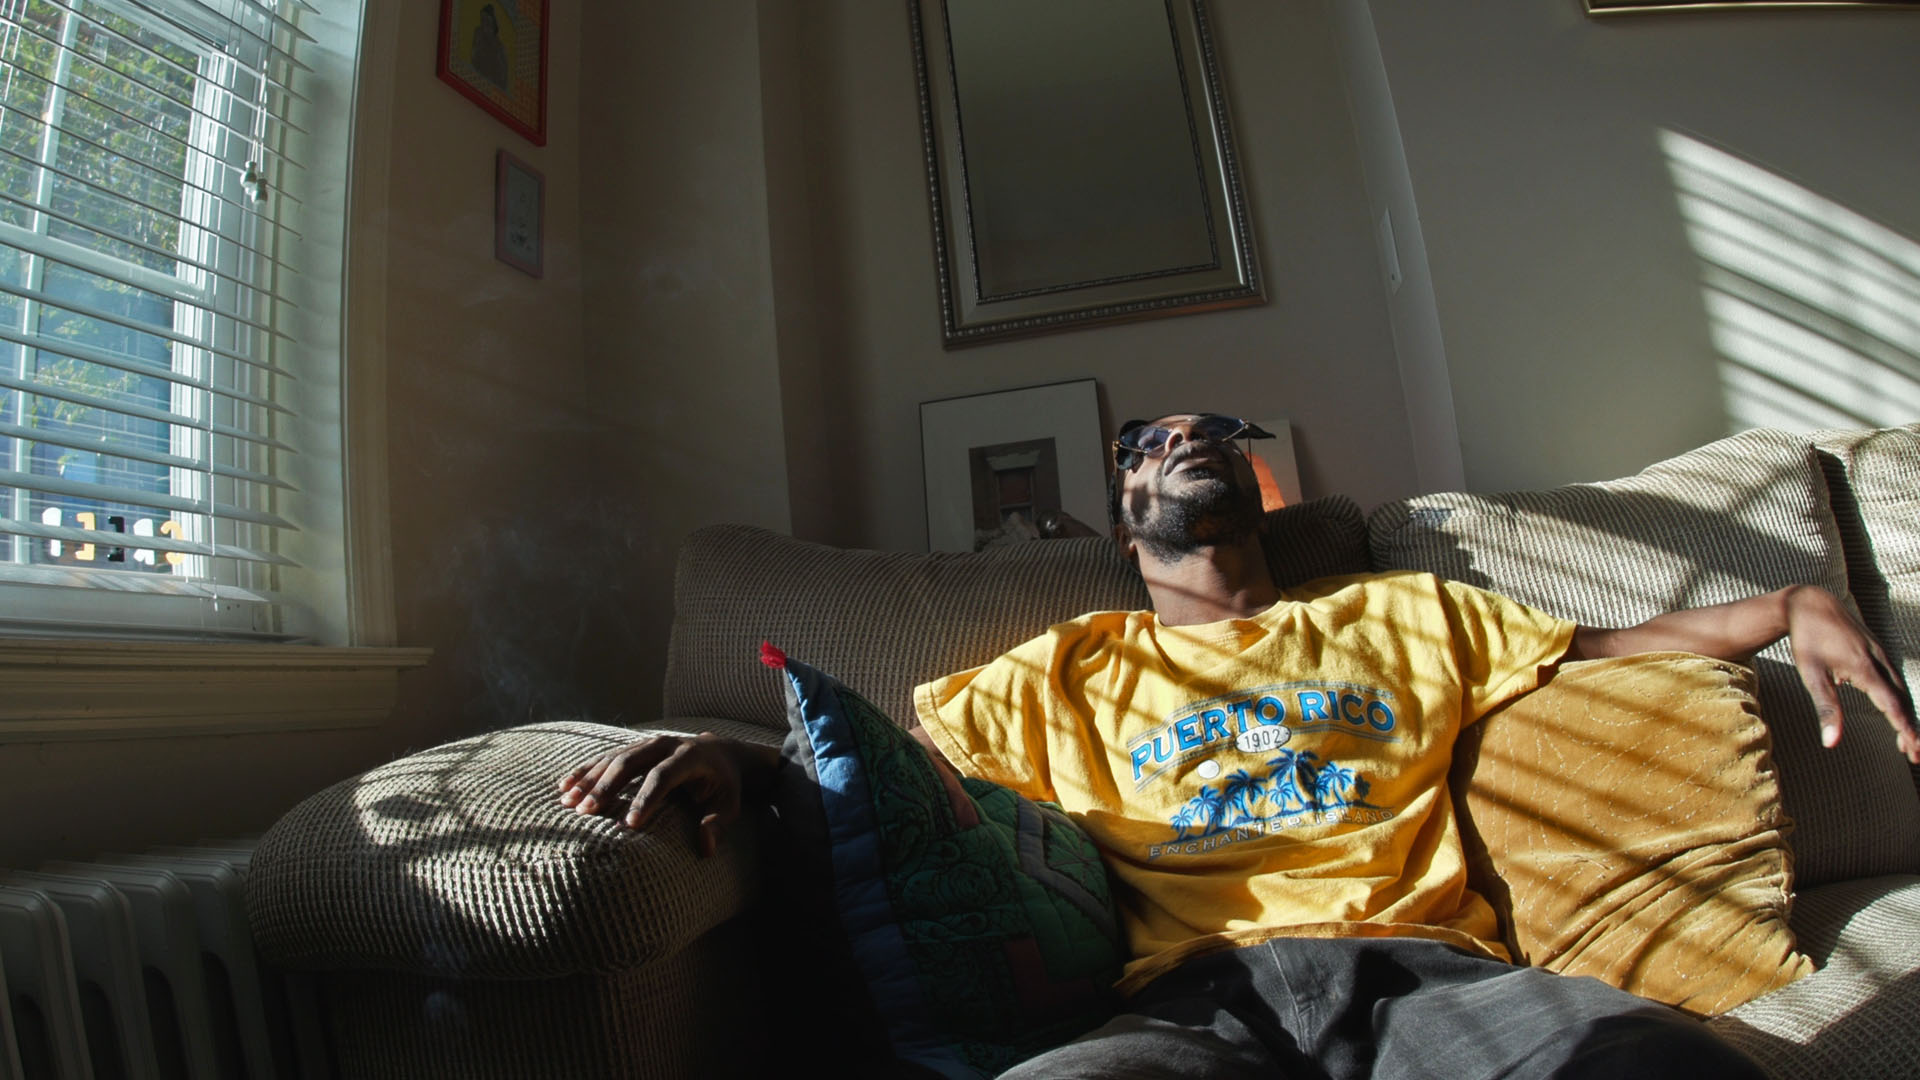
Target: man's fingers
(1880,659)
(701,768)
(625,767)
(1894,705)
(672,772)
(1888,700)
(723,807)
(694,771)
(1826,703)
(581,780)
(616,771)
(1871,679)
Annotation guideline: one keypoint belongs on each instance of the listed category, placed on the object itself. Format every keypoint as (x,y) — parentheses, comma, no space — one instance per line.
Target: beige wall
(680,333)
(1318,351)
(493,535)
(496,534)
(1568,291)
(760,251)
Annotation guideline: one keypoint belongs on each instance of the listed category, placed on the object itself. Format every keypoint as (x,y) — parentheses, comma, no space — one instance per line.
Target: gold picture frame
(1642,7)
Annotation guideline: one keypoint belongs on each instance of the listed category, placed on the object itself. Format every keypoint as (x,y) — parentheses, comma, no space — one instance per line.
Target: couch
(461,922)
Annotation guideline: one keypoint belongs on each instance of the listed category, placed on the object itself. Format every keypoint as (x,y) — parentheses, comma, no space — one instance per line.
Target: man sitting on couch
(1332,934)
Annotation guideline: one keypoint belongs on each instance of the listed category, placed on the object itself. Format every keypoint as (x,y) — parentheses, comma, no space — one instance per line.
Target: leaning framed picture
(495,53)
(997,462)
(519,212)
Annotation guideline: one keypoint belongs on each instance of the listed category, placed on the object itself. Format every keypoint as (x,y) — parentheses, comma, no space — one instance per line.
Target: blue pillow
(980,923)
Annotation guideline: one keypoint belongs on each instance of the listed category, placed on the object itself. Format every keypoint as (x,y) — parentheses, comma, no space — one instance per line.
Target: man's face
(1197,493)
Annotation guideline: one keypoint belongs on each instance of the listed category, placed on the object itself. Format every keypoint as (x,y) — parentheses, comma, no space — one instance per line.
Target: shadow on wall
(1815,309)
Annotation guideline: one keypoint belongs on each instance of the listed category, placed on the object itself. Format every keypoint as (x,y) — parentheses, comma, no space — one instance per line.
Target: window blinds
(146,158)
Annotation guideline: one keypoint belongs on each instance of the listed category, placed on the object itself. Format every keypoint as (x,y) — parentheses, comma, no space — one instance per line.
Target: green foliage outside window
(114,177)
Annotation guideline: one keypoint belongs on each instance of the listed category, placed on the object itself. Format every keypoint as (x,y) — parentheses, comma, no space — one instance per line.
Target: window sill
(58,691)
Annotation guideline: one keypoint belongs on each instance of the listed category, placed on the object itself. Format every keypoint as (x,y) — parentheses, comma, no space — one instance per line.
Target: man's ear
(1123,539)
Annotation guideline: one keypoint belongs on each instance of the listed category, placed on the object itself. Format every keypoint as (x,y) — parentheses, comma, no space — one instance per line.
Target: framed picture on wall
(519,212)
(996,462)
(1633,7)
(495,53)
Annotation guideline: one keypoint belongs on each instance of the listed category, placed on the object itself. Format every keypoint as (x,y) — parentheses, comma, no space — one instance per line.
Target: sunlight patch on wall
(1814,309)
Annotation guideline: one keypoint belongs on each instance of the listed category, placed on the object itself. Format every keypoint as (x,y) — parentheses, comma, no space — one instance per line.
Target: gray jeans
(1352,1008)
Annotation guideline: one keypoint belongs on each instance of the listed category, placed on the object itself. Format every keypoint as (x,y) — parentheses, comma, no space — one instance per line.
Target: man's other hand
(709,771)
(1831,649)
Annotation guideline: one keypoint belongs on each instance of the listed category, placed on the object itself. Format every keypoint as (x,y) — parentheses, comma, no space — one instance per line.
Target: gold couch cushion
(1625,820)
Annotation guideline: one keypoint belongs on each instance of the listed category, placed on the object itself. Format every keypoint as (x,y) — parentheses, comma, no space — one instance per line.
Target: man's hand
(711,771)
(1830,649)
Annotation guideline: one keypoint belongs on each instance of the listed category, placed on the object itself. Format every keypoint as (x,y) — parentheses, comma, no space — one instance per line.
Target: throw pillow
(1625,820)
(981,924)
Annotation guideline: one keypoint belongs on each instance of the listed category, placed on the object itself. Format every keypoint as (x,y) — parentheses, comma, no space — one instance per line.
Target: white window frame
(196,606)
(64,689)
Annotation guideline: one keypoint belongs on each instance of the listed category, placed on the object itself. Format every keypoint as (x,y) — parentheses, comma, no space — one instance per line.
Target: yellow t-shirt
(1278,776)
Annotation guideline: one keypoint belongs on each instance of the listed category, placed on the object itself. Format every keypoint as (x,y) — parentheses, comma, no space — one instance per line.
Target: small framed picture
(996,463)
(520,199)
(495,53)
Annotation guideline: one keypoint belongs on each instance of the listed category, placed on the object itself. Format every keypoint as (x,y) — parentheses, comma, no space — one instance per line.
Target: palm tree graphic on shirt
(1295,783)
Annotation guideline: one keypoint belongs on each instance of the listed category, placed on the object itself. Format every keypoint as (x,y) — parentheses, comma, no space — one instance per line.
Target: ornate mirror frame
(1133,284)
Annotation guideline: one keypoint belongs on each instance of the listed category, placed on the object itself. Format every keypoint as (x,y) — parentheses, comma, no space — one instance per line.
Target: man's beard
(1203,515)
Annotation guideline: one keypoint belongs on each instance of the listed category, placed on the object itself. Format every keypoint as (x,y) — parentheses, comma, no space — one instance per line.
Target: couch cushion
(1874,477)
(1736,517)
(668,1020)
(981,924)
(1625,821)
(1855,1016)
(461,861)
(888,621)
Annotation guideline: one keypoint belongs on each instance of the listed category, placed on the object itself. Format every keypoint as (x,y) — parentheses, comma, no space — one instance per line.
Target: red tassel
(771,656)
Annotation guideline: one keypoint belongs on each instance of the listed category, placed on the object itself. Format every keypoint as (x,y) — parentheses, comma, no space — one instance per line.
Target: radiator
(141,966)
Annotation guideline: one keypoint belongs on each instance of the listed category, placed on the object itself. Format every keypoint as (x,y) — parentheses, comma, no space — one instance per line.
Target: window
(170,289)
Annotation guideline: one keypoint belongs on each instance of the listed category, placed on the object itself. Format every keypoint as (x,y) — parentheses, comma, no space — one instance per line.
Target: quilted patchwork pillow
(980,924)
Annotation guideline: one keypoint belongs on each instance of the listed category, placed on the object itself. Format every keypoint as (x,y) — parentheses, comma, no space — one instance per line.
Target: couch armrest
(460,860)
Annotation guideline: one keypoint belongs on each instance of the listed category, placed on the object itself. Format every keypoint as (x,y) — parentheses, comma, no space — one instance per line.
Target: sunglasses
(1139,441)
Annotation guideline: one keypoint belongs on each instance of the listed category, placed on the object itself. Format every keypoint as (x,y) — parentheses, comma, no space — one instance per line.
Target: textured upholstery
(1855,1017)
(1624,819)
(460,861)
(1875,480)
(884,622)
(1743,515)
(652,1022)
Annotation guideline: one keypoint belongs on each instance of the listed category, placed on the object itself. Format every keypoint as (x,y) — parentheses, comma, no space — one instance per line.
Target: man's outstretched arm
(1830,648)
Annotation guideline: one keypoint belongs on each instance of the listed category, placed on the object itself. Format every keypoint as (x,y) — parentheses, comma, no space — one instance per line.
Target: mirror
(1079,164)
